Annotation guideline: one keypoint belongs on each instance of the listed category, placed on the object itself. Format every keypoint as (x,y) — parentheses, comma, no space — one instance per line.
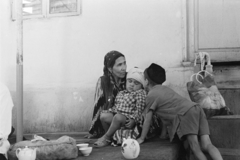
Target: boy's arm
(146,126)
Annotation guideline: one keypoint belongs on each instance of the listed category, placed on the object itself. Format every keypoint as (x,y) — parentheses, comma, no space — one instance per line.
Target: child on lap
(128,106)
(183,117)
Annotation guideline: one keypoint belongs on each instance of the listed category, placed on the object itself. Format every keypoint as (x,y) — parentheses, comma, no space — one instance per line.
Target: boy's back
(165,101)
(167,104)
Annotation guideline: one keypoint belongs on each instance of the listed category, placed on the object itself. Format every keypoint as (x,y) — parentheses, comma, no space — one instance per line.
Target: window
(50,8)
(32,7)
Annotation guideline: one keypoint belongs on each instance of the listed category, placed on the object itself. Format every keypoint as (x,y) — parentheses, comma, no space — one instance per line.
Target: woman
(108,85)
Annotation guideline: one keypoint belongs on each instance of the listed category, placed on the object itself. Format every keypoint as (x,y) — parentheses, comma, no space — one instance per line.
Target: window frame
(79,4)
(38,15)
(46,11)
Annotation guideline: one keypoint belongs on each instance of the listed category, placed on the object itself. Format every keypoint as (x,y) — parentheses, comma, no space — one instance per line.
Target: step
(227,154)
(224,131)
(225,135)
(230,154)
(154,149)
(231,97)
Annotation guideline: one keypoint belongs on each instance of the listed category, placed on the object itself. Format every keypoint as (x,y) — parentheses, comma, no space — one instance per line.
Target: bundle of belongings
(203,90)
(62,148)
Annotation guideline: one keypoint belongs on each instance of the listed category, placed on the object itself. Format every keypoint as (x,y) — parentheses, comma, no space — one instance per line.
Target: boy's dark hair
(155,74)
(149,80)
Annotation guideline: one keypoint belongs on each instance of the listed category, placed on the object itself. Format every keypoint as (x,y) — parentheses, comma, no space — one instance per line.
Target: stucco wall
(63,56)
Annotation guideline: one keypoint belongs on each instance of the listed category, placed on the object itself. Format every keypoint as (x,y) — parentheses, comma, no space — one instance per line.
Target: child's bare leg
(210,148)
(195,147)
(163,134)
(106,120)
(118,121)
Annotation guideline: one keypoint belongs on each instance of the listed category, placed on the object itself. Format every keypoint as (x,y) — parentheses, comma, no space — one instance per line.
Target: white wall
(7,46)
(63,56)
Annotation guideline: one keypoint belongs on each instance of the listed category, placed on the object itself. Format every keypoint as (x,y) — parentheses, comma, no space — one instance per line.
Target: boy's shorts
(193,122)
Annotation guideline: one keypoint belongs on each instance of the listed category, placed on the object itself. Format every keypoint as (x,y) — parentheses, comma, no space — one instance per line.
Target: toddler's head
(135,79)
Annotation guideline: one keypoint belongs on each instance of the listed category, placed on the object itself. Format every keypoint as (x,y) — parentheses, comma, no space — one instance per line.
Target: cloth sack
(62,148)
(203,90)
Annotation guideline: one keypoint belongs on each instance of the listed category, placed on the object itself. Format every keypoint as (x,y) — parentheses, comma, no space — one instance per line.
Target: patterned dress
(130,104)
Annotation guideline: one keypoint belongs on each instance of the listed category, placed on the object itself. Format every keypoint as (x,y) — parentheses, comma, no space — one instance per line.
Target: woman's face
(133,85)
(119,68)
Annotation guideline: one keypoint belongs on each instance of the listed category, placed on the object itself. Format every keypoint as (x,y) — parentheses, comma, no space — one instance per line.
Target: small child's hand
(130,123)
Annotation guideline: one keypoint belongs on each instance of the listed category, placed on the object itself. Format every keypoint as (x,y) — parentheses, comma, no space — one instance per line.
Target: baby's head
(135,80)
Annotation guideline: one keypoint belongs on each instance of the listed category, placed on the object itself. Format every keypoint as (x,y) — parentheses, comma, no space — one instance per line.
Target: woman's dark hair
(109,60)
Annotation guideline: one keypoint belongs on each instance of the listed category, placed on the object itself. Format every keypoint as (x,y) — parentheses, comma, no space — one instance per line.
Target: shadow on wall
(56,110)
(231,97)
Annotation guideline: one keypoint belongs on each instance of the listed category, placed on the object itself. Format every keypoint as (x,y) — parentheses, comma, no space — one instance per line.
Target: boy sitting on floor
(184,118)
(128,107)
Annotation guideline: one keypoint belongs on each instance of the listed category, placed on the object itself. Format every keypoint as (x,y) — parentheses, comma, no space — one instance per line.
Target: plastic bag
(202,89)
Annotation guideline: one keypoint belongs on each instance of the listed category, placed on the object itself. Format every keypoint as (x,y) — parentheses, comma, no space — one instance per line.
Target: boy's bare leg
(164,131)
(195,147)
(207,146)
(106,120)
(118,121)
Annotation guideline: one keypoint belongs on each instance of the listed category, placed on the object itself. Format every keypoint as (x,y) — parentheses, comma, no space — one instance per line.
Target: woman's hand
(130,123)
